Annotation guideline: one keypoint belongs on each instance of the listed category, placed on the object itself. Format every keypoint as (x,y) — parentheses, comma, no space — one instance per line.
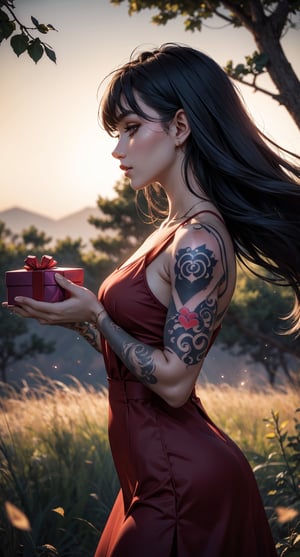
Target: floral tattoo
(187,331)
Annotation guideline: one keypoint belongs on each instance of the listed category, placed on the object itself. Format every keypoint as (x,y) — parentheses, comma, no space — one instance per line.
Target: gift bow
(32,262)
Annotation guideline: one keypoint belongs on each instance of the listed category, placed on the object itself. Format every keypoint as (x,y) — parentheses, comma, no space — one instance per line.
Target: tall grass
(241,413)
(54,454)
(57,469)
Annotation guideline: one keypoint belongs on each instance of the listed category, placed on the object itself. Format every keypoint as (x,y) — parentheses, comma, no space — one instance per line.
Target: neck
(185,214)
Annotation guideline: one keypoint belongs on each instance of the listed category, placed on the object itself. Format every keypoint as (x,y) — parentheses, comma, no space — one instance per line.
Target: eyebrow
(123,115)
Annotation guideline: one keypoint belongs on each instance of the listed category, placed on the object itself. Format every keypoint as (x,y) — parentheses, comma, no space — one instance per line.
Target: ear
(180,128)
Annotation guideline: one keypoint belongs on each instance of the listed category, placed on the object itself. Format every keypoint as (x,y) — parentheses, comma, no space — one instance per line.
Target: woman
(186,489)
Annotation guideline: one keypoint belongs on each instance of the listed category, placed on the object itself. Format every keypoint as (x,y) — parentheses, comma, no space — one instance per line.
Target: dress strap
(158,249)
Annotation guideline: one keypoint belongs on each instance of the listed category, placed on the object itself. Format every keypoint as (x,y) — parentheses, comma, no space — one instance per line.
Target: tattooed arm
(197,276)
(88,331)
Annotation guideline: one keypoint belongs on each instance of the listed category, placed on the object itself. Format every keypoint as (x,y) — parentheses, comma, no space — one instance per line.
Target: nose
(117,153)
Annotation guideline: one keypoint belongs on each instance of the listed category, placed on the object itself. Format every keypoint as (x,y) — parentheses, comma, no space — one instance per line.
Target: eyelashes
(131,129)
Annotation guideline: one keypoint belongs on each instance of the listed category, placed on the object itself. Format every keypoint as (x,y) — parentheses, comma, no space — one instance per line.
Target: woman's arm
(196,278)
(88,331)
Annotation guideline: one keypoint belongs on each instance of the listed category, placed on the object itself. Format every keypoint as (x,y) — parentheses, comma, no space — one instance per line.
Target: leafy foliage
(279,480)
(255,65)
(22,37)
(252,327)
(15,346)
(126,220)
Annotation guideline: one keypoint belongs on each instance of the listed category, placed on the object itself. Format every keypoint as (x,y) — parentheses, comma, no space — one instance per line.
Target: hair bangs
(119,100)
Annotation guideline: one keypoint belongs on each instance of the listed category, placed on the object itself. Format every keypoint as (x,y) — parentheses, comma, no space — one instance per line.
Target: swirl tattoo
(138,358)
(193,270)
(88,332)
(187,333)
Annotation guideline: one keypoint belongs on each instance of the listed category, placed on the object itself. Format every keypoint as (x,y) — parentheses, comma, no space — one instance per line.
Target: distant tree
(72,253)
(266,20)
(16,344)
(126,221)
(253,327)
(69,252)
(23,37)
(34,239)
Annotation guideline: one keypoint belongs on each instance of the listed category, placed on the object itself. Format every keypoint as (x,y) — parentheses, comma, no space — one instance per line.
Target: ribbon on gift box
(32,263)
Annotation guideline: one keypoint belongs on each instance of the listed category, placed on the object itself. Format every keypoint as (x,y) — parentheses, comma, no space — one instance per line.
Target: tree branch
(258,15)
(219,14)
(279,17)
(23,28)
(240,14)
(277,97)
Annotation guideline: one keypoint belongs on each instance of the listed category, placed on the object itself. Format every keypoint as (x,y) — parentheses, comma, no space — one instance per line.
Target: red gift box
(37,280)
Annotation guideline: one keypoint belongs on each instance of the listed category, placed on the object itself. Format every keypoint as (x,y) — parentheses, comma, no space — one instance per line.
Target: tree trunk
(267,31)
(280,70)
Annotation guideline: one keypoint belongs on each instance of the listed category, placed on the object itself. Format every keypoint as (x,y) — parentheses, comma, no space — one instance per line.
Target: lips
(126,169)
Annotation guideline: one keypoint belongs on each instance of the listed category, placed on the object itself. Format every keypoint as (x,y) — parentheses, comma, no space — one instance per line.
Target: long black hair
(255,187)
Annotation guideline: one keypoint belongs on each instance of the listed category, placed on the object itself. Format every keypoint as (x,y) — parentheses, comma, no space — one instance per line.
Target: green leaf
(260,63)
(35,50)
(7,27)
(240,69)
(50,53)
(3,16)
(43,28)
(34,21)
(19,43)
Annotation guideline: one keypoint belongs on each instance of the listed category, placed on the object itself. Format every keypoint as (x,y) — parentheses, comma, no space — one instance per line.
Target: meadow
(57,480)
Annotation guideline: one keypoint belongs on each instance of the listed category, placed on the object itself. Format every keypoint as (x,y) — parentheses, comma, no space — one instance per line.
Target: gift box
(37,280)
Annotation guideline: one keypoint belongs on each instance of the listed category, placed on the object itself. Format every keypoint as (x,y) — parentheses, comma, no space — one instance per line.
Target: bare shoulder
(196,234)
(203,251)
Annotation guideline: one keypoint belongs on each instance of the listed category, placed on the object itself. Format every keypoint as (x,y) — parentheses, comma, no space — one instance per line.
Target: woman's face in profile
(145,149)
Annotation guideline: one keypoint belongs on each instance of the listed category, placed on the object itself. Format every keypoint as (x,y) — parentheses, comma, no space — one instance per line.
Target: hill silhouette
(74,225)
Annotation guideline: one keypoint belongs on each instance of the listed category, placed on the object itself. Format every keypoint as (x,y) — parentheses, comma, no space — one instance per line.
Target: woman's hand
(82,305)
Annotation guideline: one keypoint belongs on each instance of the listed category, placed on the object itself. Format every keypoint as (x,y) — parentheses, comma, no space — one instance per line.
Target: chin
(139,186)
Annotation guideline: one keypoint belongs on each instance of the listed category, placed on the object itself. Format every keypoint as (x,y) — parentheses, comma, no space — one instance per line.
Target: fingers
(63,282)
(79,306)
(27,307)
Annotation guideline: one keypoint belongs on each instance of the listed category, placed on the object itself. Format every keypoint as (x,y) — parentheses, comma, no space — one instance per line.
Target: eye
(131,129)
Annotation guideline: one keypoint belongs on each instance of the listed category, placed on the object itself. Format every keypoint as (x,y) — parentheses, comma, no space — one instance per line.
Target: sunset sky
(55,159)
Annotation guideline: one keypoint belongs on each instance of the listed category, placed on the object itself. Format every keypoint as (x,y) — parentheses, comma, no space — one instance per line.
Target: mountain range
(74,225)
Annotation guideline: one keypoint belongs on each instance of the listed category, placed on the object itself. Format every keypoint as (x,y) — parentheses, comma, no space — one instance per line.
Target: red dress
(186,488)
